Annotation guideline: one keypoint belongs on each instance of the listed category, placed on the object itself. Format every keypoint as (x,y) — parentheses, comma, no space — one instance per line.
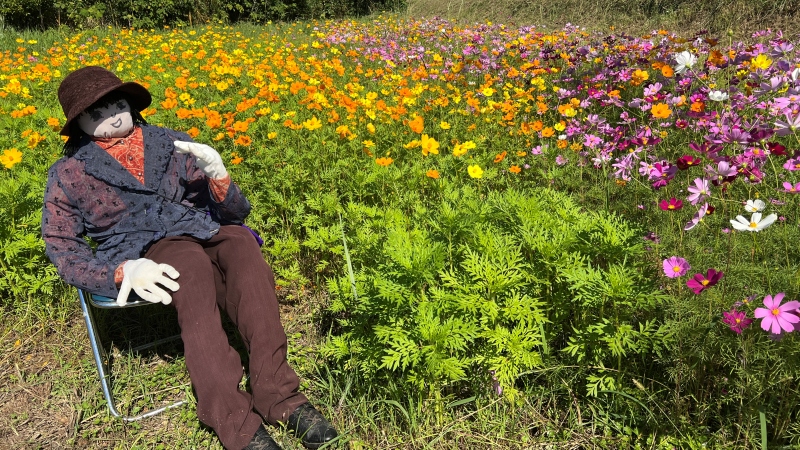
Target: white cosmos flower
(755,223)
(684,60)
(754,206)
(717,96)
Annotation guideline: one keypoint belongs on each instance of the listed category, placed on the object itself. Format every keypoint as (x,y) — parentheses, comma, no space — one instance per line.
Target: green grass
(51,396)
(741,17)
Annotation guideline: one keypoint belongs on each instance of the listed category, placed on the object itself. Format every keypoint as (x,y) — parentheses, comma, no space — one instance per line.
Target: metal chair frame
(101,360)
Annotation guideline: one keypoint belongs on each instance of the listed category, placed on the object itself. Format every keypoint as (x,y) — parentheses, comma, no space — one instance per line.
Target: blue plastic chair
(89,301)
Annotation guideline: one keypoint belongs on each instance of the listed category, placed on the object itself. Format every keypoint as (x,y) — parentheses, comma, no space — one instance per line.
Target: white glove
(144,276)
(208,159)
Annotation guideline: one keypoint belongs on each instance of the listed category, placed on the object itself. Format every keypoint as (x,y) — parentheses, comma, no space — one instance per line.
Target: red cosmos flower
(672,205)
(700,282)
(776,149)
(686,161)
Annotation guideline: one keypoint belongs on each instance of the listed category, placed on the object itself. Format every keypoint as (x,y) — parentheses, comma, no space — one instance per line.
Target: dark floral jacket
(91,195)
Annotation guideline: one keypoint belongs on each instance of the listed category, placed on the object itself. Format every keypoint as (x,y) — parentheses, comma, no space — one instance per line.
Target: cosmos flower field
(691,140)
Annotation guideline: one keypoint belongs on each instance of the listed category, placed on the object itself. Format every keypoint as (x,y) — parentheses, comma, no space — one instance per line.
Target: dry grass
(741,17)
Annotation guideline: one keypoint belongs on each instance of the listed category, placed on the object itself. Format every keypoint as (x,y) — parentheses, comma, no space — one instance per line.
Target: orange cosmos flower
(213,120)
(384,161)
(514,169)
(661,111)
(169,103)
(193,132)
(500,156)
(667,71)
(698,107)
(243,141)
(417,124)
(236,159)
(639,76)
(548,132)
(432,174)
(54,123)
(241,126)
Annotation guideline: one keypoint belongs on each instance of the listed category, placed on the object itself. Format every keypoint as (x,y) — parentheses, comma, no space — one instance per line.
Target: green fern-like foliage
(483,289)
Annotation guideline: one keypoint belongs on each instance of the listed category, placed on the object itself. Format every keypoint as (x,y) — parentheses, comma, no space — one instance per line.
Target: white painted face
(106,121)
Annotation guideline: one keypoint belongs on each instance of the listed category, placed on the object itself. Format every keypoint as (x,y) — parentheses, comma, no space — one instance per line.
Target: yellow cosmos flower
(221,86)
(312,124)
(444,125)
(272,135)
(10,158)
(475,171)
(429,145)
(368,143)
(371,128)
(461,149)
(760,62)
(487,91)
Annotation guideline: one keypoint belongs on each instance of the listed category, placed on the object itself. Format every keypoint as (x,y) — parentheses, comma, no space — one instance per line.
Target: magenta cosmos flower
(675,267)
(736,320)
(776,318)
(672,205)
(700,282)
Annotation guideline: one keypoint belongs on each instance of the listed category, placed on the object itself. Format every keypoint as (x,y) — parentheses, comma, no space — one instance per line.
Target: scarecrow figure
(167,221)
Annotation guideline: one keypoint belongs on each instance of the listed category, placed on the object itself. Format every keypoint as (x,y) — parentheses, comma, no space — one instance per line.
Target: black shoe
(262,441)
(308,424)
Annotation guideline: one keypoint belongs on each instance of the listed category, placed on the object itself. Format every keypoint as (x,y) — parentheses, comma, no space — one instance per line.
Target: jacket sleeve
(234,208)
(63,231)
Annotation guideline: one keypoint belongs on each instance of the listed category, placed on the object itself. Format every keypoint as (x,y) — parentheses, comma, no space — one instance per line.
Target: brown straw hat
(81,88)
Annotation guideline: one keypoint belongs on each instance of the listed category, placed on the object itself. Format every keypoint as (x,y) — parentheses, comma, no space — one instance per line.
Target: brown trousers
(228,272)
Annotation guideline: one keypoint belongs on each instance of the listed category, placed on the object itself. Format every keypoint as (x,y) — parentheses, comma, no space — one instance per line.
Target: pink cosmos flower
(792,164)
(789,187)
(700,282)
(736,320)
(704,210)
(672,205)
(699,191)
(776,318)
(675,267)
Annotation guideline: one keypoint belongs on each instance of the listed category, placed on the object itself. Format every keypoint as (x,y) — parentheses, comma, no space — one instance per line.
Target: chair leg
(103,370)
